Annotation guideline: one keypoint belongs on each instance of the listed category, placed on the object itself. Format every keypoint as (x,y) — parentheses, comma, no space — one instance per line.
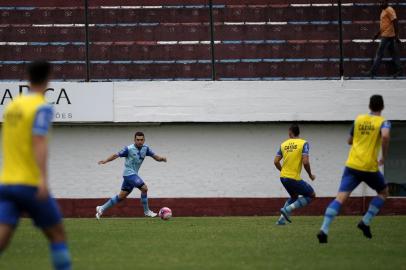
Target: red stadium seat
(41,3)
(360,31)
(150,71)
(148,15)
(145,2)
(43,16)
(12,72)
(278,69)
(69,71)
(361,13)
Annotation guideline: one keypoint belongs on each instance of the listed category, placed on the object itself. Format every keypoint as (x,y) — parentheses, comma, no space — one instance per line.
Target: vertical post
(213,60)
(87,40)
(340,23)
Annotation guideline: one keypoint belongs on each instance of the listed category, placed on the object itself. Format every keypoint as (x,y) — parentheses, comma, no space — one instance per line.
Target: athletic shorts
(297,187)
(352,178)
(18,199)
(131,181)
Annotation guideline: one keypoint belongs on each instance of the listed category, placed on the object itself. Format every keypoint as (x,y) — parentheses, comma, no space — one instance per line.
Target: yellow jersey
(366,143)
(25,116)
(292,151)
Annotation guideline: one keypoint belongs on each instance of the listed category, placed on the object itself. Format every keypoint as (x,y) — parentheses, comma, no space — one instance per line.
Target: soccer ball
(165,213)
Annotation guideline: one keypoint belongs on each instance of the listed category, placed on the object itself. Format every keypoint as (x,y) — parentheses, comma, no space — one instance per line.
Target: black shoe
(322,237)
(366,230)
(367,74)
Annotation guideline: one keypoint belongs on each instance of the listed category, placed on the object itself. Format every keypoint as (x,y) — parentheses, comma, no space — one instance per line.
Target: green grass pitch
(215,243)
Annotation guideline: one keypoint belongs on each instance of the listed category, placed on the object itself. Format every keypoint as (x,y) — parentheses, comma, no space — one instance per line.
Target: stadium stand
(171,40)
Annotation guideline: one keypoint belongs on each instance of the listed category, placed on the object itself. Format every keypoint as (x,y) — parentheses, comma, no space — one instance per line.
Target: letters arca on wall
(73,102)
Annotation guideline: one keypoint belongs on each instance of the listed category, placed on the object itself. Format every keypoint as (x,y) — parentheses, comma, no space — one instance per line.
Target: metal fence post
(87,40)
(213,61)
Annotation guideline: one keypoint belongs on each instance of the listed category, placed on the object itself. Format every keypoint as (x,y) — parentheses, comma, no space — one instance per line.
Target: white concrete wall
(253,101)
(204,160)
(220,101)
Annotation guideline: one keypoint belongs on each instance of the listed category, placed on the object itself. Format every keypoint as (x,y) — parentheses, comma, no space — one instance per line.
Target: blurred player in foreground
(134,156)
(369,133)
(24,175)
(294,152)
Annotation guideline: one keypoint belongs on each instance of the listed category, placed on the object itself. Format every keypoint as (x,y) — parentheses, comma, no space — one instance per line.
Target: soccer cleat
(280,223)
(285,215)
(322,237)
(150,214)
(99,212)
(366,230)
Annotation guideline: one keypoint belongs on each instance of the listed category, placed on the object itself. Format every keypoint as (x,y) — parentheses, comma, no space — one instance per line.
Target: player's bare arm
(40,146)
(159,158)
(306,165)
(385,134)
(110,158)
(277,162)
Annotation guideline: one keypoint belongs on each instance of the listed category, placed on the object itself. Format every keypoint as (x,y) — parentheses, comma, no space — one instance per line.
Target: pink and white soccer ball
(165,213)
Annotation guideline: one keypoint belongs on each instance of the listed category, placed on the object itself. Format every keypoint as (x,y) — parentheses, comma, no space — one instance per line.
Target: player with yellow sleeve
(23,178)
(370,133)
(295,154)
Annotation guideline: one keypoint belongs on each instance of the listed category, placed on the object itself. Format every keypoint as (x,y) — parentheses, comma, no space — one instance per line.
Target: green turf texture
(215,243)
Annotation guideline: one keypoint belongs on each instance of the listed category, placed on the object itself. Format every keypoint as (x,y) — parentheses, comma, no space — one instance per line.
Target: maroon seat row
(189,15)
(188,33)
(117,52)
(73,3)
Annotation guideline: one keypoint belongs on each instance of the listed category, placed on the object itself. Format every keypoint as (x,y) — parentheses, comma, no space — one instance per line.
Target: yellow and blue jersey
(25,116)
(292,151)
(366,133)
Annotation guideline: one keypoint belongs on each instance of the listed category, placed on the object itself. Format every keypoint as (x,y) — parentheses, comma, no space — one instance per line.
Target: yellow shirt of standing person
(25,116)
(292,151)
(366,144)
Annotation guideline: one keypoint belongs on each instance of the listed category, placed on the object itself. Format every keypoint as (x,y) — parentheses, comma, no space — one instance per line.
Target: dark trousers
(387,43)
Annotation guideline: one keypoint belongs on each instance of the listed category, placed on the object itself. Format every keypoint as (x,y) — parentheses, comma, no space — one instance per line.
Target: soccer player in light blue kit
(134,155)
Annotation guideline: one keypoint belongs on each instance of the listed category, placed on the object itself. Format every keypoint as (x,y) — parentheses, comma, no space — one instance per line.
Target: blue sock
(60,256)
(144,201)
(373,209)
(113,201)
(300,202)
(288,202)
(331,212)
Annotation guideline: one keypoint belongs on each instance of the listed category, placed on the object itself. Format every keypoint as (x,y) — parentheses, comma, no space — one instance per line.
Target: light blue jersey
(134,158)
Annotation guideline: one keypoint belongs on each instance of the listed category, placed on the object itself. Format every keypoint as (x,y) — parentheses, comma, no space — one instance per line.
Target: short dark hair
(38,72)
(294,128)
(139,133)
(376,103)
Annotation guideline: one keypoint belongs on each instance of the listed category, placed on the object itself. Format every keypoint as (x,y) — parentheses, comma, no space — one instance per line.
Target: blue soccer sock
(373,209)
(331,212)
(288,202)
(110,203)
(144,201)
(300,202)
(60,256)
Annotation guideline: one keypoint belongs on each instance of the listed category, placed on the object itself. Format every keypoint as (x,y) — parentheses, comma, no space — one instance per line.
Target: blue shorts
(130,182)
(352,178)
(297,187)
(18,199)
